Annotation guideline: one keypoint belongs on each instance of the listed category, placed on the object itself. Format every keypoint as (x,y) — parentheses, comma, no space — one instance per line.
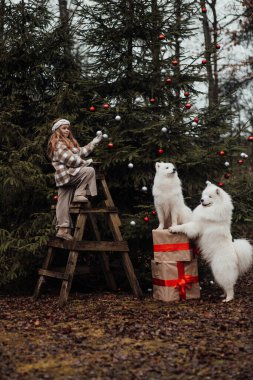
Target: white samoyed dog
(211,225)
(168,197)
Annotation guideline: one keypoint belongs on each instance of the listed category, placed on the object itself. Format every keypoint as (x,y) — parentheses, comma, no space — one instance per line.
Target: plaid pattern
(67,162)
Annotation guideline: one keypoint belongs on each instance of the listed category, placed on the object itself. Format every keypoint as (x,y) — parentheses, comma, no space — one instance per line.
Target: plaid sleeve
(86,150)
(67,157)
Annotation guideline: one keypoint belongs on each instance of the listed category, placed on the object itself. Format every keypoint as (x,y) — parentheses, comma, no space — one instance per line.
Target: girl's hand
(88,162)
(97,140)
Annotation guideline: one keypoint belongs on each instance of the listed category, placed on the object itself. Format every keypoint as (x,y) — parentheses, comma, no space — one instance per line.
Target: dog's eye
(167,167)
(210,196)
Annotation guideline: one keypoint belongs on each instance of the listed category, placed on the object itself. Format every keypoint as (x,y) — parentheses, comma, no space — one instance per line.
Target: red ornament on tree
(110,145)
(152,100)
(240,162)
(92,108)
(106,106)
(221,153)
(160,151)
(217,46)
(250,138)
(55,197)
(162,36)
(227,175)
(168,81)
(221,184)
(203,10)
(154,212)
(174,62)
(146,218)
(188,105)
(204,61)
(186,94)
(196,119)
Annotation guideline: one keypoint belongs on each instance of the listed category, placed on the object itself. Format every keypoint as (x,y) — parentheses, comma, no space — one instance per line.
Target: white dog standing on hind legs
(211,225)
(168,197)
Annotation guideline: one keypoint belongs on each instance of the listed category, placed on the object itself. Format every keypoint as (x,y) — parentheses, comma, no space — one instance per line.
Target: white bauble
(99,133)
(164,129)
(130,165)
(194,124)
(105,136)
(144,188)
(118,117)
(226,163)
(132,223)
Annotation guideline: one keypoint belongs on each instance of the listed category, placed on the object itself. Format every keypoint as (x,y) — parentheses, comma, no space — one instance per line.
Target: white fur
(211,225)
(168,197)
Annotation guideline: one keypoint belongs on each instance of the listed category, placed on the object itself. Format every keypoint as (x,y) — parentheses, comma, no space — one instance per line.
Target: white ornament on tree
(105,136)
(226,163)
(130,165)
(99,133)
(194,124)
(244,155)
(164,129)
(132,223)
(144,188)
(118,117)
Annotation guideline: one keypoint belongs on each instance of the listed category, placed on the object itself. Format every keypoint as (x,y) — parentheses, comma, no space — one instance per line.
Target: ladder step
(80,210)
(53,274)
(104,246)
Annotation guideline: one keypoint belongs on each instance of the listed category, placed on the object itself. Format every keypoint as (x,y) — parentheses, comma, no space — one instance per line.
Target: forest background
(163,80)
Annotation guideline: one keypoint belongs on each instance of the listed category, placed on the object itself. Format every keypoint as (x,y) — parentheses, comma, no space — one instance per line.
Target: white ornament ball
(130,165)
(163,71)
(144,188)
(105,136)
(118,117)
(164,129)
(244,155)
(132,223)
(226,163)
(194,124)
(99,133)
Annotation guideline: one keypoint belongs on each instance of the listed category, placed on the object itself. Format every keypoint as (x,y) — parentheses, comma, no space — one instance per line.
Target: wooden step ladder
(84,212)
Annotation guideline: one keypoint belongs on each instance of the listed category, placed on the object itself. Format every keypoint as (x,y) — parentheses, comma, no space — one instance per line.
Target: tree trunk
(64,19)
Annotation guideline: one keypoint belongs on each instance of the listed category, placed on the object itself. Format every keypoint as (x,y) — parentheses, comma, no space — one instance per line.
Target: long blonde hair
(57,136)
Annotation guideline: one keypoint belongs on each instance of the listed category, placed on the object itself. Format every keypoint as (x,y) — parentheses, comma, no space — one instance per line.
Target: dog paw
(160,227)
(173,230)
(228,299)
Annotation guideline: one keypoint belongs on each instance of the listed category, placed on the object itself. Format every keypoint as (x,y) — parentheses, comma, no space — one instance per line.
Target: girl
(73,174)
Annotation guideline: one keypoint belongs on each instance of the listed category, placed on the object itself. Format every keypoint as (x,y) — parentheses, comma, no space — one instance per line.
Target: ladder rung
(81,210)
(109,246)
(53,274)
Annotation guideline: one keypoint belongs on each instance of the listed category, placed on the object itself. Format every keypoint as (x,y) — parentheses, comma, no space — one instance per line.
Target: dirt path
(114,336)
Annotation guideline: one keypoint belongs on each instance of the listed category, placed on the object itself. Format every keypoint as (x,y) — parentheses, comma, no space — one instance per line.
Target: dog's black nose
(174,170)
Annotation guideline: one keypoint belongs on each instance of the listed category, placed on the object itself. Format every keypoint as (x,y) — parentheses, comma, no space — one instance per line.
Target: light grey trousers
(86,177)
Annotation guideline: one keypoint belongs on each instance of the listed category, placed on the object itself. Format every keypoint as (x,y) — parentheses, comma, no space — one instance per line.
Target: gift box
(175,280)
(172,247)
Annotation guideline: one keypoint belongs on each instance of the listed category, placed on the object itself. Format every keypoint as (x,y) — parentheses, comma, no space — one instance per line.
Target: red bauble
(154,212)
(162,36)
(221,184)
(203,10)
(146,218)
(174,62)
(221,153)
(240,162)
(188,105)
(168,81)
(186,94)
(196,119)
(217,46)
(92,108)
(110,145)
(204,61)
(106,106)
(250,138)
(152,100)
(160,151)
(55,197)
(227,175)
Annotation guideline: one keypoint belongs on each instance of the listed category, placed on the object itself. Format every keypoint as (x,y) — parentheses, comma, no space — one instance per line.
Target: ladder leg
(103,258)
(42,279)
(72,260)
(113,223)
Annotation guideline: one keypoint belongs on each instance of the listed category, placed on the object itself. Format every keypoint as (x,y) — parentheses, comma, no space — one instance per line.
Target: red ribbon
(182,283)
(171,247)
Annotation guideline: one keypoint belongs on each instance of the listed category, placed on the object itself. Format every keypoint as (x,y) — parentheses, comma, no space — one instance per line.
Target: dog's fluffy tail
(244,252)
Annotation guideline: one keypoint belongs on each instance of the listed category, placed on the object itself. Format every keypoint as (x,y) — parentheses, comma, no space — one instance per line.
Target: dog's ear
(208,183)
(157,165)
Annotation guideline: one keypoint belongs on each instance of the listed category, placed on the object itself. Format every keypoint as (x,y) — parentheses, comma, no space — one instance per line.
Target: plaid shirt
(67,162)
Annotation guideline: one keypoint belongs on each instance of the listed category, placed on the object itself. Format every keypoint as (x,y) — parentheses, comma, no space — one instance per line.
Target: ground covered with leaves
(116,336)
